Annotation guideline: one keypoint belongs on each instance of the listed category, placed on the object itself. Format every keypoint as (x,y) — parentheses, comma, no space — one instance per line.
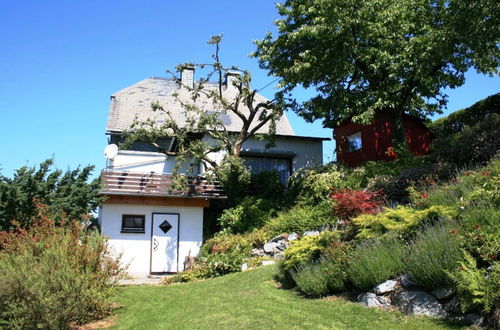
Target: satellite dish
(111,151)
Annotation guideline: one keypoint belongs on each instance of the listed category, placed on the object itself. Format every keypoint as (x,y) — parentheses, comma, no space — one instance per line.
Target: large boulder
(469,319)
(385,287)
(372,300)
(418,303)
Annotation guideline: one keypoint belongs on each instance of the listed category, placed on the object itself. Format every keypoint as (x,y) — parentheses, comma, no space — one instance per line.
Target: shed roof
(134,102)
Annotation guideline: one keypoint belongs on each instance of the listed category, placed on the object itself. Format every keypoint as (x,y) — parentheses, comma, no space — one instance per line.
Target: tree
(363,56)
(67,195)
(204,106)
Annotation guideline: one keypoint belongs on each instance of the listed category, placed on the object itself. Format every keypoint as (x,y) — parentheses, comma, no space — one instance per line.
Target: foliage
(315,184)
(306,250)
(375,261)
(475,288)
(460,120)
(257,116)
(302,217)
(67,194)
(348,203)
(52,275)
(401,220)
(250,213)
(321,278)
(267,185)
(435,252)
(226,244)
(234,177)
(363,56)
(395,187)
(474,144)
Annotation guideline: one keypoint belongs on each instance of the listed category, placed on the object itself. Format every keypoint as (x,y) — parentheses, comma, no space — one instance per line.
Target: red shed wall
(377,139)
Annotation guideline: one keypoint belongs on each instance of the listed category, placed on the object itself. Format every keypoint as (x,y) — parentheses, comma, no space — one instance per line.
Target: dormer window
(354,142)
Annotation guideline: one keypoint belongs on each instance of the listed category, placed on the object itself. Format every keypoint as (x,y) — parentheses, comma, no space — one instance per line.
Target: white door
(164,243)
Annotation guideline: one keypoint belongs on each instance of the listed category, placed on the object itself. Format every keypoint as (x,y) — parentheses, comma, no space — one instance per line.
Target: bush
(474,144)
(250,213)
(301,218)
(401,220)
(477,289)
(348,203)
(51,276)
(434,253)
(267,185)
(321,278)
(234,177)
(376,261)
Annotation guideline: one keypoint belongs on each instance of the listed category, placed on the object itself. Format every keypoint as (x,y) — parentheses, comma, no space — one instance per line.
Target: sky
(60,61)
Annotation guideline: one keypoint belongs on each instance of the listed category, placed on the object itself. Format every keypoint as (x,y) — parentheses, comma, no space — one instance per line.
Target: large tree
(363,56)
(204,106)
(69,195)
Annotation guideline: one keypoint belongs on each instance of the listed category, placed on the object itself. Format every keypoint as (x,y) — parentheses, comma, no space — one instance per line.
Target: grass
(249,300)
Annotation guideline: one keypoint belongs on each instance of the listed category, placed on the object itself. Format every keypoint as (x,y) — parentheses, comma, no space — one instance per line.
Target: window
(354,142)
(133,223)
(269,164)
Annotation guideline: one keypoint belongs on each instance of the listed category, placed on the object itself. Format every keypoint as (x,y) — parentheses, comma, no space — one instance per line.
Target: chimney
(231,76)
(187,76)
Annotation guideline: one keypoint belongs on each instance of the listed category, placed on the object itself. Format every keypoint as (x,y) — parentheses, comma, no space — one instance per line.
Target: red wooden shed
(358,143)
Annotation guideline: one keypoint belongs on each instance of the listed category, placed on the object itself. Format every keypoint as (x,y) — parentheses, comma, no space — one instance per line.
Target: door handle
(155,245)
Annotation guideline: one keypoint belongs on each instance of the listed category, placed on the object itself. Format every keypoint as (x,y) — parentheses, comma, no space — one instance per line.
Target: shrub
(267,185)
(434,253)
(250,213)
(302,217)
(321,278)
(401,220)
(50,276)
(307,249)
(473,145)
(232,244)
(376,261)
(348,203)
(314,185)
(476,288)
(234,177)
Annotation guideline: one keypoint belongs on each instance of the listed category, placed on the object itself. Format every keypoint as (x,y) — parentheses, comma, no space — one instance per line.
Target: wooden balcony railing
(130,183)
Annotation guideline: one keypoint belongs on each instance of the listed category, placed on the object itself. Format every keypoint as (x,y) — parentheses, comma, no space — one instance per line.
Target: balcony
(153,184)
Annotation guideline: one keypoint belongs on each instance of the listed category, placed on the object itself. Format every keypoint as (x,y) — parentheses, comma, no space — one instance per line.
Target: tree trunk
(398,131)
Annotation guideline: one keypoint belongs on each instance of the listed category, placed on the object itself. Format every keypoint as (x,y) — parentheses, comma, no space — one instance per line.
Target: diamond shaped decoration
(165,226)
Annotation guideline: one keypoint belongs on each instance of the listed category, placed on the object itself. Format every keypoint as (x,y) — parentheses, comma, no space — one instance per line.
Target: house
(356,143)
(154,227)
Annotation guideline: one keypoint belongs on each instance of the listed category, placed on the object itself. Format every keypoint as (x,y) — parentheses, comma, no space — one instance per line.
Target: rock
(244,267)
(268,262)
(270,247)
(469,319)
(387,286)
(419,303)
(372,300)
(293,237)
(258,252)
(311,233)
(282,237)
(453,306)
(443,293)
(407,282)
(282,246)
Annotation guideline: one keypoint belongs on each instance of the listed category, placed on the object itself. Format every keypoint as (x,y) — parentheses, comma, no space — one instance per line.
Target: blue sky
(61,60)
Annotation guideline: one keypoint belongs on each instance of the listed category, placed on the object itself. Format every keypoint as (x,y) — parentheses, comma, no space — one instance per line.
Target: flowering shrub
(351,203)
(53,275)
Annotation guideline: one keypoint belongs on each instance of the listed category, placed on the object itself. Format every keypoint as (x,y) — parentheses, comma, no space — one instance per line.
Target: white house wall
(306,152)
(135,248)
(145,162)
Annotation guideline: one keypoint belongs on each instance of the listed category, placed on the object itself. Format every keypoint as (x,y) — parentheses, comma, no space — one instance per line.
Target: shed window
(133,223)
(354,142)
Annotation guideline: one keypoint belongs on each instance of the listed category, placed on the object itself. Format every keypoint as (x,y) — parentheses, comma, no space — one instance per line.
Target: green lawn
(249,300)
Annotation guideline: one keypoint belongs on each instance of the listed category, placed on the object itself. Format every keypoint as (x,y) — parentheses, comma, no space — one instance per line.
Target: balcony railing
(153,184)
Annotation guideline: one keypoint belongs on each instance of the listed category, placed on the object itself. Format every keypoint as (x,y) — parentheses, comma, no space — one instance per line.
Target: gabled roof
(134,102)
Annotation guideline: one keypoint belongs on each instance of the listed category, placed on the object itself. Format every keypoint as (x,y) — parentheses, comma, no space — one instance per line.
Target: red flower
(424,195)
